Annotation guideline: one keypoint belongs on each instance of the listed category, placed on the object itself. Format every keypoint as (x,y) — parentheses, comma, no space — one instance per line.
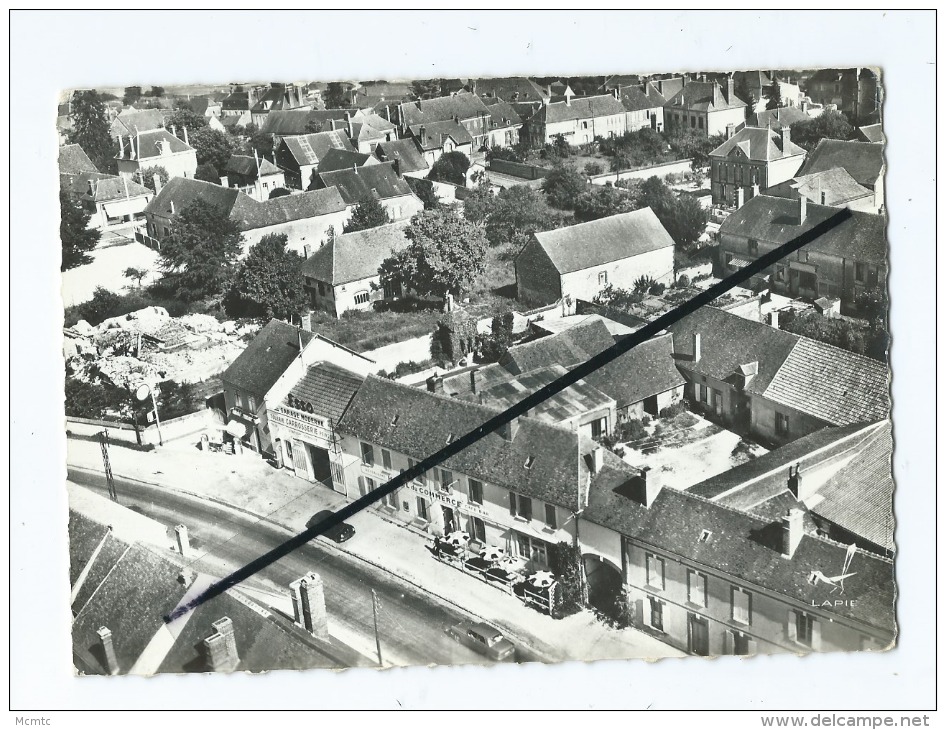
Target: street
(411,624)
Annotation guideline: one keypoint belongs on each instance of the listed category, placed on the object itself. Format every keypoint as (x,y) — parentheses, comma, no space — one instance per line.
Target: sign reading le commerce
(452,498)
(303,424)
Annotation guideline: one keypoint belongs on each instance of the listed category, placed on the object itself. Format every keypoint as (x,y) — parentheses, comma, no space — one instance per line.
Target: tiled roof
(266,357)
(292,123)
(442,109)
(247,165)
(132,121)
(569,348)
(862,236)
(308,149)
(298,206)
(777,118)
(512,88)
(755,79)
(185,190)
(374,121)
(580,107)
(107,187)
(704,96)
(329,388)
(355,256)
(438,131)
(834,385)
(748,548)
(757,143)
(634,99)
(406,152)
(836,185)
(646,370)
(417,423)
(863,160)
(604,240)
(277,98)
(73,160)
(336,159)
(146,144)
(859,498)
(872,133)
(355,185)
(502,114)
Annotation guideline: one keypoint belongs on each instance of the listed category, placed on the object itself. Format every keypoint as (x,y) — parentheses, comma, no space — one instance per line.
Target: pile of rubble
(150,345)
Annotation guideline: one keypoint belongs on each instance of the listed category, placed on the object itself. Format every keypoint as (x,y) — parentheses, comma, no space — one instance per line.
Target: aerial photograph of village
(279,295)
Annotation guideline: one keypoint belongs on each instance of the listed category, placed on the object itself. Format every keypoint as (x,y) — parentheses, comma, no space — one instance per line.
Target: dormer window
(704,536)
(450,438)
(529,462)
(395,419)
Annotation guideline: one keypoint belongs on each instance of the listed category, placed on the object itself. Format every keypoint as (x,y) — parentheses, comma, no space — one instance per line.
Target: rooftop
(309,149)
(784,116)
(380,181)
(73,160)
(328,387)
(863,160)
(266,357)
(355,256)
(441,109)
(437,132)
(705,96)
(757,143)
(293,122)
(406,152)
(336,159)
(834,187)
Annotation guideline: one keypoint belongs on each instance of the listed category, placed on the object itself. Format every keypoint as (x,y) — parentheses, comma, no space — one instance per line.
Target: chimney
(131,147)
(730,130)
(448,303)
(645,487)
(174,129)
(251,97)
(221,647)
(786,137)
(616,93)
(186,140)
(773,319)
(804,106)
(108,648)
(824,198)
(597,459)
(792,530)
(423,136)
(183,541)
(802,209)
(387,112)
(354,169)
(397,167)
(696,347)
(509,430)
(157,183)
(92,188)
(308,605)
(351,127)
(172,207)
(332,122)
(225,181)
(568,100)
(730,89)
(740,197)
(795,482)
(755,189)
(474,380)
(435,384)
(121,146)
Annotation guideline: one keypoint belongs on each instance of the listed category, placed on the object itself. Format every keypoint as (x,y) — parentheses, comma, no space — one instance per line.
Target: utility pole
(377,637)
(110,480)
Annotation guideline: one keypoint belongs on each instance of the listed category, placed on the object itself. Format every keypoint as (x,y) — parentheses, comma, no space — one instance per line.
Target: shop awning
(237,429)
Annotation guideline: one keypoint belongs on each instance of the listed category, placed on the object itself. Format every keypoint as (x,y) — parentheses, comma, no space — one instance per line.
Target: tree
(503,153)
(369,213)
(269,282)
(683,217)
(148,175)
(424,189)
(212,146)
(494,345)
(208,173)
(562,186)
(450,168)
(517,212)
(335,97)
(744,91)
(135,274)
(77,238)
(445,254)
(775,98)
(688,143)
(478,204)
(256,140)
(199,254)
(94,400)
(132,94)
(827,125)
(156,91)
(601,201)
(278,193)
(425,89)
(565,563)
(612,296)
(103,305)
(177,399)
(90,129)
(593,168)
(181,119)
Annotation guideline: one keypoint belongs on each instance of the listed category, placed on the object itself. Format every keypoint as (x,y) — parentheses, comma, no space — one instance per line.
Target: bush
(683,281)
(106,304)
(657,289)
(408,367)
(646,420)
(631,430)
(594,168)
(675,409)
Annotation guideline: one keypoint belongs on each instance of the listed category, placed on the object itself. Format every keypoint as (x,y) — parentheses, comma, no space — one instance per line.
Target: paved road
(411,621)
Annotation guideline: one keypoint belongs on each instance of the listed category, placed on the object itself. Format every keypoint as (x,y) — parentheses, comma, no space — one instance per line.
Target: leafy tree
(177,399)
(278,193)
(148,175)
(744,91)
(132,94)
(425,88)
(208,173)
(94,400)
(212,146)
(156,91)
(335,96)
(478,205)
(601,201)
(90,129)
(828,125)
(872,304)
(775,98)
(135,274)
(424,189)
(613,296)
(185,118)
(450,168)
(77,238)
(517,212)
(683,217)
(593,168)
(256,140)
(562,187)
(369,213)
(688,143)
(503,153)
(199,254)
(445,254)
(103,305)
(565,563)
(494,345)
(269,282)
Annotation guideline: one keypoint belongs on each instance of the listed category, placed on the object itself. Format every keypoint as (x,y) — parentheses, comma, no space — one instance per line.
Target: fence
(172,429)
(675,167)
(518,169)
(142,237)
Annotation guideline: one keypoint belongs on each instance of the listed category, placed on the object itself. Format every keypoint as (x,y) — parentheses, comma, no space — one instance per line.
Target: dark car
(484,639)
(338,533)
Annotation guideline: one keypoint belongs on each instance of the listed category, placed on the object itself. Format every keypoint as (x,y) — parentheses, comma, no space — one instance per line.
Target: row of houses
(737,565)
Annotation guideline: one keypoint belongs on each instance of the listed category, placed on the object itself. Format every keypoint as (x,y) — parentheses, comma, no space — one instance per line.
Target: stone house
(750,159)
(705,108)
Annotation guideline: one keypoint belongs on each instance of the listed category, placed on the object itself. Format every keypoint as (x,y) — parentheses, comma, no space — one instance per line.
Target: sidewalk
(251,484)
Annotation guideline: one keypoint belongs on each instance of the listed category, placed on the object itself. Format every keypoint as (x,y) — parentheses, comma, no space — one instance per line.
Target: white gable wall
(585,283)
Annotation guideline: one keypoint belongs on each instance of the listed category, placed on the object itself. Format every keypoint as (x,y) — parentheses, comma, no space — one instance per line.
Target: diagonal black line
(520,408)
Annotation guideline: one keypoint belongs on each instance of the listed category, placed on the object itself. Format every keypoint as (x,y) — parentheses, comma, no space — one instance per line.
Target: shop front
(306,445)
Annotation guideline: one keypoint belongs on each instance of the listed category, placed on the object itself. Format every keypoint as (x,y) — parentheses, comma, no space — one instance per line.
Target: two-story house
(156,148)
(644,107)
(255,176)
(278,97)
(578,120)
(378,181)
(581,260)
(299,156)
(864,161)
(132,121)
(843,263)
(834,187)
(463,108)
(705,108)
(749,158)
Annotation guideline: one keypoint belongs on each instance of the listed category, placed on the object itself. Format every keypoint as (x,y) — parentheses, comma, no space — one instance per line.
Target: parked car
(484,639)
(339,533)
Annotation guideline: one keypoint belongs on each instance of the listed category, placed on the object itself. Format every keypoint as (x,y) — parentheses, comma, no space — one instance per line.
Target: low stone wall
(171,430)
(675,167)
(518,169)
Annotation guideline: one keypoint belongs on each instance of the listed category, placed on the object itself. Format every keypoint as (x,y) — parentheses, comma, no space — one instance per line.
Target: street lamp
(142,392)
